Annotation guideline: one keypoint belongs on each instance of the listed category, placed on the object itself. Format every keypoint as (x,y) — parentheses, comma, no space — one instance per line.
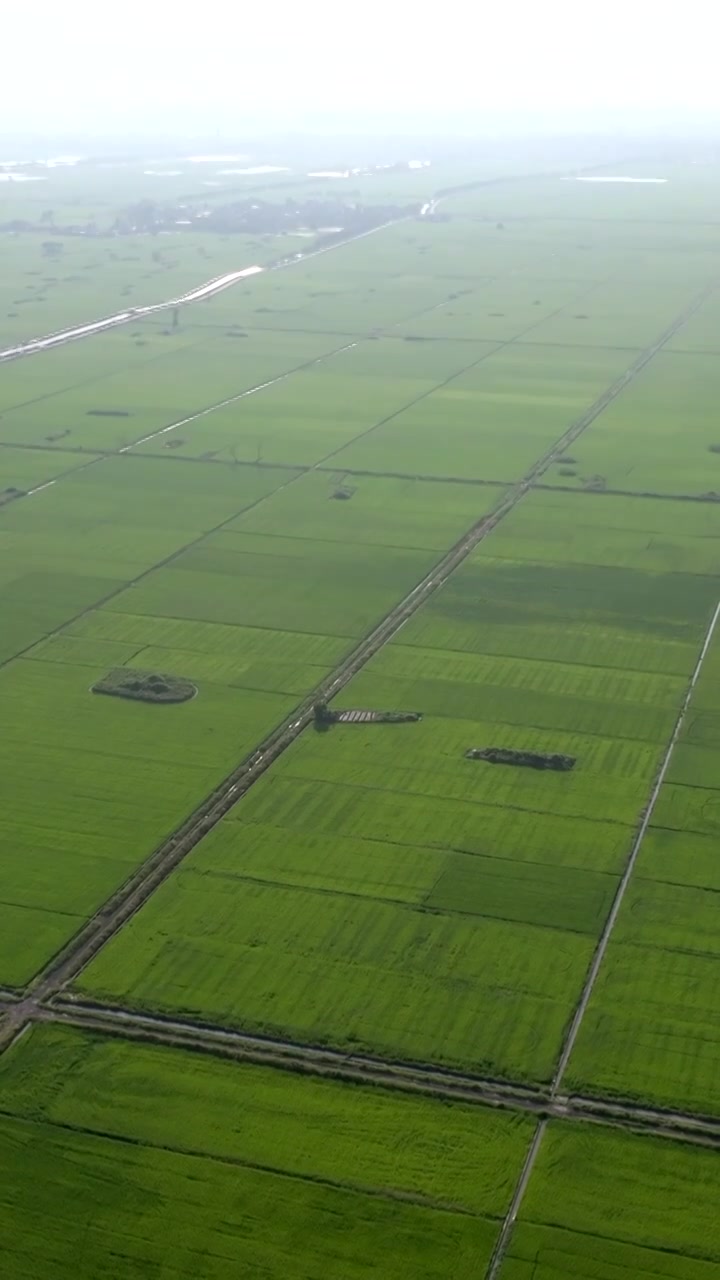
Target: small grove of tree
(323,714)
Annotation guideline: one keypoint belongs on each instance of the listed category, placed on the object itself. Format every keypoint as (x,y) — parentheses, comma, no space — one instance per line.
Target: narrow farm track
(600,953)
(356,1068)
(68,963)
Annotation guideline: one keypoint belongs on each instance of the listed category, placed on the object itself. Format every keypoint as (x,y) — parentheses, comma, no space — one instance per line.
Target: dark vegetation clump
(145,686)
(566,458)
(527,759)
(714,448)
(323,715)
(107,413)
(567,471)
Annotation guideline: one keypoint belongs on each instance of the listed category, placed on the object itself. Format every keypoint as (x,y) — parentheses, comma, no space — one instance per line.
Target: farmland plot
(92,277)
(99,528)
(378,889)
(243,1167)
(254,618)
(322,408)
(114,411)
(23,469)
(616,1206)
(659,436)
(493,421)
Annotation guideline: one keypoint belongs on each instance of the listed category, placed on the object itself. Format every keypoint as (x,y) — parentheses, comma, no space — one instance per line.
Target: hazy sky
(80,64)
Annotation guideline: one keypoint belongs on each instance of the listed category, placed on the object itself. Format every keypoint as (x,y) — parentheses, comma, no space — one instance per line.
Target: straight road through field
(200,294)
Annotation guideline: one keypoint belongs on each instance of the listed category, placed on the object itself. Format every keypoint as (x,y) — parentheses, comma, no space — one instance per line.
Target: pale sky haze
(236,66)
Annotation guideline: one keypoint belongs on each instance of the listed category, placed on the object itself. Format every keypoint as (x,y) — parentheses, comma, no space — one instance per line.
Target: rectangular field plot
(114,411)
(345,292)
(335,506)
(607,1205)
(702,331)
(358,973)
(614,315)
(255,619)
(23,469)
(99,277)
(376,888)
(652,535)
(187,1163)
(83,364)
(659,436)
(240,657)
(114,777)
(501,309)
(493,421)
(651,1028)
(604,582)
(314,413)
(84,538)
(285,583)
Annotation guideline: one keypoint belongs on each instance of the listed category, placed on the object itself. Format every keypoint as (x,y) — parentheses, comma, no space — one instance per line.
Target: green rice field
(488,431)
(281,1173)
(607,1205)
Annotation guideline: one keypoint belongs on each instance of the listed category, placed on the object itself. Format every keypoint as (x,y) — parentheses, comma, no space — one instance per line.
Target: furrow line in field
(123,904)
